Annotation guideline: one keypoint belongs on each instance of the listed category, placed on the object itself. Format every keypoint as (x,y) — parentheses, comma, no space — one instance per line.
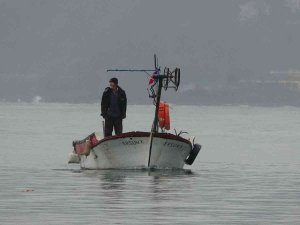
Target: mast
(155,122)
(158,95)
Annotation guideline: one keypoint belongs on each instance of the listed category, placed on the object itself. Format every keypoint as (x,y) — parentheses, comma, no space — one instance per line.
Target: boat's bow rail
(82,147)
(145,134)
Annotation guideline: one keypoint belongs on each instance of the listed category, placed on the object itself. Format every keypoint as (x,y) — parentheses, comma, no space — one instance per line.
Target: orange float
(164,115)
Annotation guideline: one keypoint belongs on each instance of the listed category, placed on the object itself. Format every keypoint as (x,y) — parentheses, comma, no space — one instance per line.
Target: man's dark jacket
(105,102)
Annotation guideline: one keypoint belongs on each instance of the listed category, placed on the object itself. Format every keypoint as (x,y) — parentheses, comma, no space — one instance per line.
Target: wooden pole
(155,122)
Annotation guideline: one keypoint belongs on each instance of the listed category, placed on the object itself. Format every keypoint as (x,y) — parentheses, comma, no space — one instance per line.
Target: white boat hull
(132,152)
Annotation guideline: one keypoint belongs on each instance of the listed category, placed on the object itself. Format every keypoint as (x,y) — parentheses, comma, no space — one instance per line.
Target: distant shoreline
(149,104)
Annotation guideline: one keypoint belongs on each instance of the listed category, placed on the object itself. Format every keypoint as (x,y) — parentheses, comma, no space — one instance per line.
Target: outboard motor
(193,154)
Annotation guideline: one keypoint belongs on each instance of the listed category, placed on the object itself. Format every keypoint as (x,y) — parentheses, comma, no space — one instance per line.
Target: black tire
(193,154)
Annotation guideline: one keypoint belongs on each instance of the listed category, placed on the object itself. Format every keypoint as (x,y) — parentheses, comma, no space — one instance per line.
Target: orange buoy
(164,115)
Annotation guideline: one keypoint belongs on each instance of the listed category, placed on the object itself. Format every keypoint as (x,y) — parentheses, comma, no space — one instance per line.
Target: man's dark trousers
(113,124)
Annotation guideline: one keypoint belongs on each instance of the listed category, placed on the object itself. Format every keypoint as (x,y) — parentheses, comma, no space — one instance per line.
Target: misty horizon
(229,51)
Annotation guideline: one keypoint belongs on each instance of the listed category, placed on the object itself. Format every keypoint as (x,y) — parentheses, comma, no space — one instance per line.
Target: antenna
(171,79)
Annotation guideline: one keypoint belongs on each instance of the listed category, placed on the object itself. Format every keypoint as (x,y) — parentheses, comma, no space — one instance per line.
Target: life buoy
(164,115)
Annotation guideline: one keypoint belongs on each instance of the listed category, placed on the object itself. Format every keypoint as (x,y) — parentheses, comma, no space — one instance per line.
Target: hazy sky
(60,49)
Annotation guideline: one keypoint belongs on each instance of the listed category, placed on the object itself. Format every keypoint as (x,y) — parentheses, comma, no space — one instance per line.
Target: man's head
(113,83)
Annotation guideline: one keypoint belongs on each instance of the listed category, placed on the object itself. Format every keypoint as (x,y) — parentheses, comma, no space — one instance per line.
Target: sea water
(248,171)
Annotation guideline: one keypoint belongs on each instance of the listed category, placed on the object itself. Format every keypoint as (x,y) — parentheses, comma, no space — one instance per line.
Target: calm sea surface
(248,171)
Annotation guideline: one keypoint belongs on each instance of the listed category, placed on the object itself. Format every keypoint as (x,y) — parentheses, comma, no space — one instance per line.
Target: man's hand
(104,116)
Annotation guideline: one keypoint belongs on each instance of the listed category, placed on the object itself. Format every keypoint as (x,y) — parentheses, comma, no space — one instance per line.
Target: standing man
(113,108)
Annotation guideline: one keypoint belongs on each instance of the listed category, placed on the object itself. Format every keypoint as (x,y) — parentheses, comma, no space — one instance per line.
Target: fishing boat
(156,148)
